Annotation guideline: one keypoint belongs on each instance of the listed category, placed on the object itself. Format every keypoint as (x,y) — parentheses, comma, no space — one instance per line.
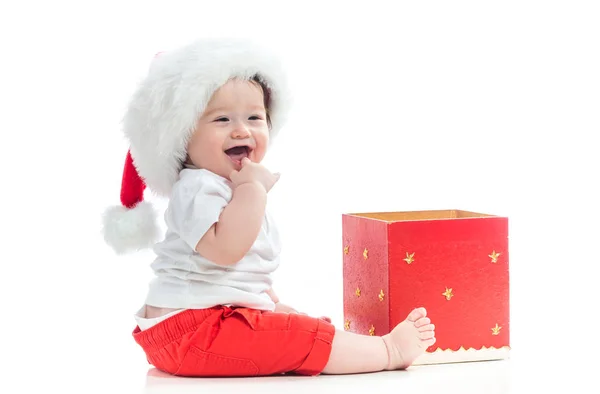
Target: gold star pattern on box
(496,330)
(494,256)
(448,294)
(409,259)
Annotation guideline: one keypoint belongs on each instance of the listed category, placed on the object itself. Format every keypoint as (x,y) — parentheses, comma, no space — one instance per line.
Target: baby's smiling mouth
(237,153)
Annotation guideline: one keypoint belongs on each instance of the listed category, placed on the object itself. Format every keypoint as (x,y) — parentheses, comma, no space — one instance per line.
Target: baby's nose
(240,131)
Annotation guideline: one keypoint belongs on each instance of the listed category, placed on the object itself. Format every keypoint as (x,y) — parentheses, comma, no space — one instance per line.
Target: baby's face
(233,126)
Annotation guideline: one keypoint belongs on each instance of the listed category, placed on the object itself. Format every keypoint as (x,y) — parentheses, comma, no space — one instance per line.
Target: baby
(199,126)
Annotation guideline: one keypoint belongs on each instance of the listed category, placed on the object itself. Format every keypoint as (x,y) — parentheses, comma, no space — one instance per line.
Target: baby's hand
(253,172)
(283,308)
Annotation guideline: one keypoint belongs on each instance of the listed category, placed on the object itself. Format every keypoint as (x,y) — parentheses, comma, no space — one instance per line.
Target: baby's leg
(354,353)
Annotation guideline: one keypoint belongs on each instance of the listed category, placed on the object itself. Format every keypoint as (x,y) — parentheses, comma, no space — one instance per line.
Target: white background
(483,106)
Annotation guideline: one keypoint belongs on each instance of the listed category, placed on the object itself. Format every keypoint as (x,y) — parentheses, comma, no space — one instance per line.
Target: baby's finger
(245,161)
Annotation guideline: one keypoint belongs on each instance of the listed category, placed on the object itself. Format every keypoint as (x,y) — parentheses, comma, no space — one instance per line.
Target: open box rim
(474,215)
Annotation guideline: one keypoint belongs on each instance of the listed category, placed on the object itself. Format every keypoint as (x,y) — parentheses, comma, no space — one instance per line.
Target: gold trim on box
(449,356)
(471,349)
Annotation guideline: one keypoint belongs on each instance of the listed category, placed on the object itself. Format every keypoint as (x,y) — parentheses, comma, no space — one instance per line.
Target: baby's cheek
(205,152)
(259,154)
(262,141)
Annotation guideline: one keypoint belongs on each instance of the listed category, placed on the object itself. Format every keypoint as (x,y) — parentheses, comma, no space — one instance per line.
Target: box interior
(421,215)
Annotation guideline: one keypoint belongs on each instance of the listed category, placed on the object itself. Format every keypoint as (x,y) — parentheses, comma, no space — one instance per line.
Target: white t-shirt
(187,280)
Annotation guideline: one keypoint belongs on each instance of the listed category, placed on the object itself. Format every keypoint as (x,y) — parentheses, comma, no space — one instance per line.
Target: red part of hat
(132,186)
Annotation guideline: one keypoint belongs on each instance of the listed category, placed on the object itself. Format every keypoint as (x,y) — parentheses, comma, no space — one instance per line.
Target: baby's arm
(273,296)
(228,240)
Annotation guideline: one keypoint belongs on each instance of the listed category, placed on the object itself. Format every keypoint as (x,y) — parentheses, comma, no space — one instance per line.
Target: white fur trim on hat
(164,109)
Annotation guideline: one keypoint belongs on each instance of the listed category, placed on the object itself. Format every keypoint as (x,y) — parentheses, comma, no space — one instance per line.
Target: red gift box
(452,262)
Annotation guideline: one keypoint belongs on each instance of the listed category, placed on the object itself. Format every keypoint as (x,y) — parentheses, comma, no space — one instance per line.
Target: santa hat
(161,117)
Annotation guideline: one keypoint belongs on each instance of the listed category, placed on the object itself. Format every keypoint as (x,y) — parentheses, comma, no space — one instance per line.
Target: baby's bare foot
(409,339)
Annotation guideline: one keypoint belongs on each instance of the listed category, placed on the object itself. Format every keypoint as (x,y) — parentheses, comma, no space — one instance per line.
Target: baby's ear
(187,162)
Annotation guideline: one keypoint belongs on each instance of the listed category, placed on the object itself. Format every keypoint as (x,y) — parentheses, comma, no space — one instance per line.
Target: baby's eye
(222,119)
(255,117)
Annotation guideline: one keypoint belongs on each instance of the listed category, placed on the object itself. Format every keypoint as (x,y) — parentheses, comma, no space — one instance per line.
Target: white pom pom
(128,230)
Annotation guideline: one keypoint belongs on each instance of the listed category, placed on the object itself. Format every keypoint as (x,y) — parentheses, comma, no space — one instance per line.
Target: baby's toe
(422,322)
(427,342)
(427,327)
(427,335)
(417,314)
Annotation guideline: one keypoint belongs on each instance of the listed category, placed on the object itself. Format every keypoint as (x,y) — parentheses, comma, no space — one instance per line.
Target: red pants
(222,341)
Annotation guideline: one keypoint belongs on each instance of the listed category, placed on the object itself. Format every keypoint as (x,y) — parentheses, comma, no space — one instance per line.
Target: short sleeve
(195,205)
